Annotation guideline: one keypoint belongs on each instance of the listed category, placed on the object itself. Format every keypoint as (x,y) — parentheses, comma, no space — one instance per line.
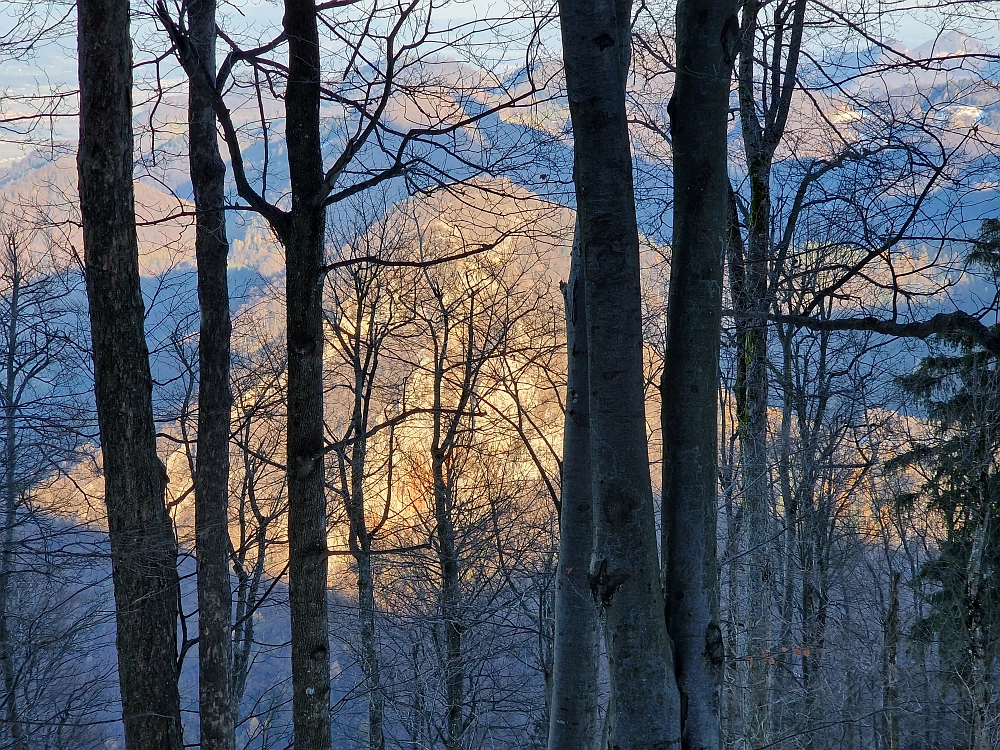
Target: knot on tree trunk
(604,584)
(715,650)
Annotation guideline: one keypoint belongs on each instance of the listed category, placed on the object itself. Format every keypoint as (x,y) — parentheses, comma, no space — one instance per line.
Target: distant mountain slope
(46,191)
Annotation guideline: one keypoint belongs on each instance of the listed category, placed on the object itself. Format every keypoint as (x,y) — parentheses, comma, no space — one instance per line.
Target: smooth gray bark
(143,549)
(573,712)
(217,714)
(644,708)
(706,38)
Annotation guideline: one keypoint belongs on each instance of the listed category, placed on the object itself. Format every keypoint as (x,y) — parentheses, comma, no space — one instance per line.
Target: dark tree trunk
(785,673)
(360,539)
(301,230)
(815,601)
(10,682)
(889,721)
(733,697)
(573,715)
(454,629)
(706,39)
(442,446)
(11,493)
(303,241)
(143,549)
(370,664)
(751,391)
(644,710)
(208,173)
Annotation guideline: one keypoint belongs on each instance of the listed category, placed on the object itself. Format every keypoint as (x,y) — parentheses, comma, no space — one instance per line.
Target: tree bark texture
(143,549)
(573,713)
(217,713)
(706,42)
(644,709)
(303,241)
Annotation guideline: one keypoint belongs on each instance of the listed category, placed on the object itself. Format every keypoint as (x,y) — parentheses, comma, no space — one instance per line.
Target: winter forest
(484,375)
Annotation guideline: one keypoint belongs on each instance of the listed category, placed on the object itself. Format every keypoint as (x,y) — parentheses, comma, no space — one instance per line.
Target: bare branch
(938,325)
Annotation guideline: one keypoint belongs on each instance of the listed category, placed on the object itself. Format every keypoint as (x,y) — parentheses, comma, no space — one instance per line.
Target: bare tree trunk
(360,541)
(573,716)
(814,614)
(13,720)
(301,231)
(789,496)
(735,515)
(442,443)
(143,549)
(369,648)
(706,37)
(451,615)
(890,649)
(307,535)
(249,571)
(979,673)
(644,709)
(751,391)
(930,725)
(763,127)
(208,174)
(732,696)
(785,674)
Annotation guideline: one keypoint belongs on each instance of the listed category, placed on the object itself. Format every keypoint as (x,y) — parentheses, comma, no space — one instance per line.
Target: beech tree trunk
(573,713)
(644,709)
(706,40)
(303,241)
(143,549)
(217,714)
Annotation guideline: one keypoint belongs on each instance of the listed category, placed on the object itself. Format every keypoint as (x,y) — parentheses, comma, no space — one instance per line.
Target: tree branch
(939,325)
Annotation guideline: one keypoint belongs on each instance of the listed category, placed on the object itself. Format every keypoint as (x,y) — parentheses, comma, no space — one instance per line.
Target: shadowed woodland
(445,375)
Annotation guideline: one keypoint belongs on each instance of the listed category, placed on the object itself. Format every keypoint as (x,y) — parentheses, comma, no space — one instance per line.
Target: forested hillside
(465,376)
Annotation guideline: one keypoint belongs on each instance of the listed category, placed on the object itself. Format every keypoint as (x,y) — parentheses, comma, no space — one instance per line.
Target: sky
(51,67)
